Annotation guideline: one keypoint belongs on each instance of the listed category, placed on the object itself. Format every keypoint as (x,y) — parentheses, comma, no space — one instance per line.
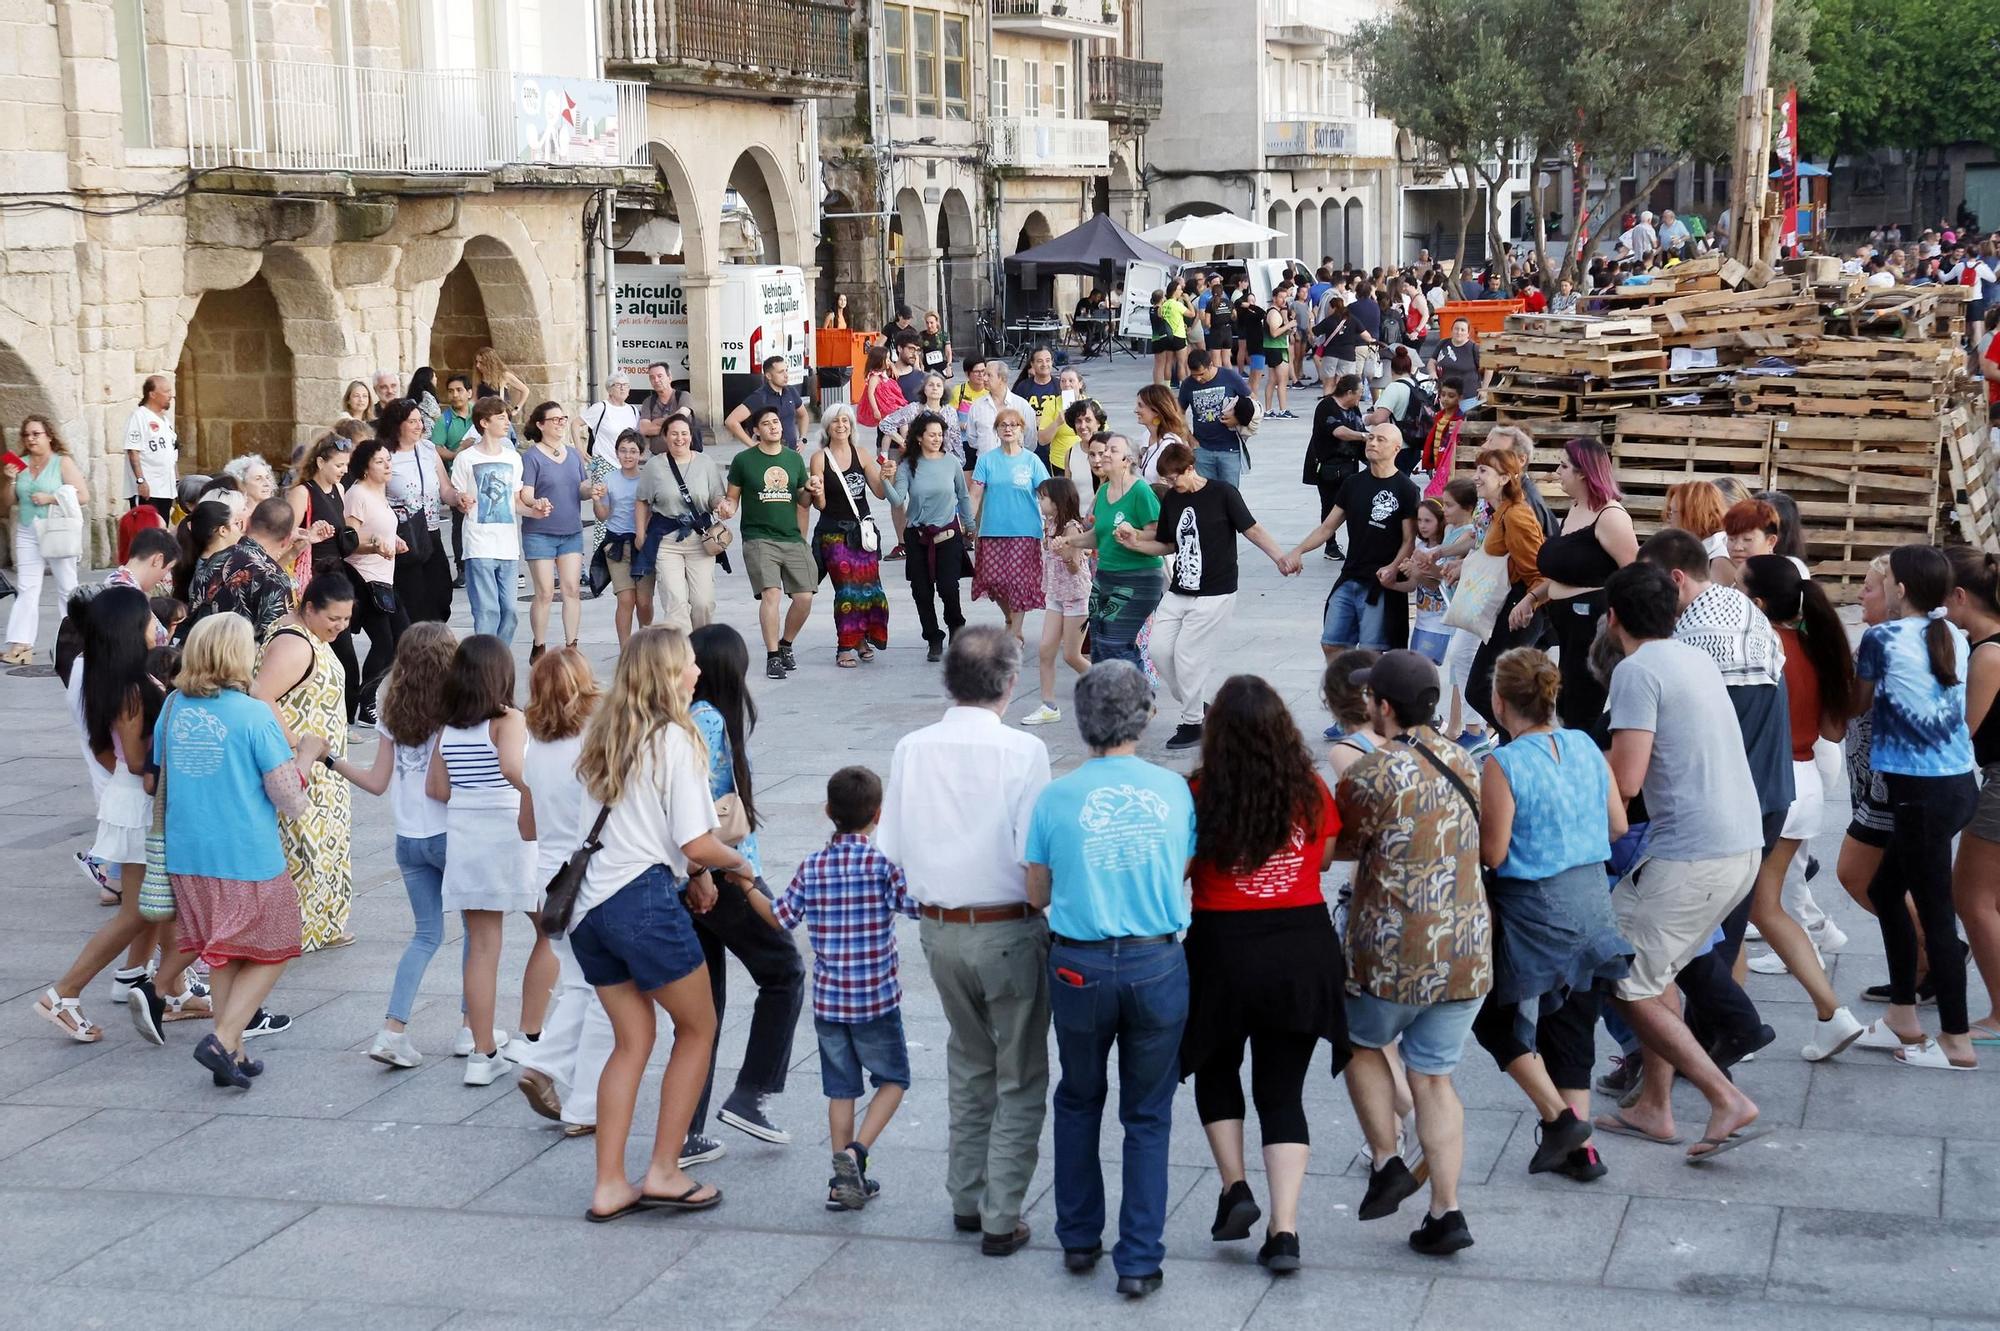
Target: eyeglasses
(556,416)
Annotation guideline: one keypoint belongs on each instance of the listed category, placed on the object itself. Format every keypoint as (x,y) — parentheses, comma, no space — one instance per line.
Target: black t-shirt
(1460,365)
(1250,322)
(1202,527)
(912,384)
(1376,508)
(1038,396)
(1331,459)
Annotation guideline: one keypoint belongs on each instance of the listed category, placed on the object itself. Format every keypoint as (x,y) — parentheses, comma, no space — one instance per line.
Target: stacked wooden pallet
(1584,367)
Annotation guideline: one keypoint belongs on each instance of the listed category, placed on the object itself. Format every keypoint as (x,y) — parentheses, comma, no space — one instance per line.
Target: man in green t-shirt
(769,486)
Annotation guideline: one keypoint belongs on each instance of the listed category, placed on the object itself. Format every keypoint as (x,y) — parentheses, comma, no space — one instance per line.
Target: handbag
(1482,589)
(559,898)
(715,536)
(732,820)
(384,597)
(156,890)
(59,531)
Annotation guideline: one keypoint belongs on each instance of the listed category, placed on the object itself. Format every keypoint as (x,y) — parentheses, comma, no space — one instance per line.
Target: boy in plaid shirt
(849,894)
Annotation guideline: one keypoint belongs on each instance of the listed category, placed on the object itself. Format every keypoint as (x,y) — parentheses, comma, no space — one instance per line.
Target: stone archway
(760,186)
(1026,296)
(1332,241)
(1305,233)
(963,278)
(490,299)
(1351,225)
(233,383)
(912,255)
(1280,221)
(22,393)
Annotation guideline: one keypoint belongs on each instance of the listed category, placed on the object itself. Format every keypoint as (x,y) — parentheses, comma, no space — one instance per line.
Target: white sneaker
(1828,937)
(1832,1035)
(394,1048)
(1769,963)
(484,1069)
(1044,715)
(517,1050)
(122,981)
(462,1046)
(1752,934)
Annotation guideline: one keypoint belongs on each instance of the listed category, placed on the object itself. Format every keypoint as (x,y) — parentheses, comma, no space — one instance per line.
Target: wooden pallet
(1651,451)
(1975,478)
(1587,326)
(1764,399)
(1863,487)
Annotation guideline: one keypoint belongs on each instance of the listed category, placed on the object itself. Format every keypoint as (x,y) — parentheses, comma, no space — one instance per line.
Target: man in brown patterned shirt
(1419,945)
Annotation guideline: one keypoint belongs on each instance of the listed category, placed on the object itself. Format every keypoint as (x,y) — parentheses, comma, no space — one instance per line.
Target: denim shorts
(1426,642)
(541,545)
(1352,622)
(846,1048)
(1432,1034)
(643,934)
(1257,360)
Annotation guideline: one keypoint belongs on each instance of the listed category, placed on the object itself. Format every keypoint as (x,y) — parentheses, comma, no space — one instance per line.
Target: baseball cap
(1403,677)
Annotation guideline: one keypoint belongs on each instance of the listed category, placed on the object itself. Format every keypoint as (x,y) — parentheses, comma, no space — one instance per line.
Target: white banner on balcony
(569,120)
(1309,138)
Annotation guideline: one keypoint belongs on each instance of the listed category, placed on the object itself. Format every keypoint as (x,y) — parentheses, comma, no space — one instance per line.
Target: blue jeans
(1220,464)
(489,585)
(1136,995)
(1351,621)
(422,861)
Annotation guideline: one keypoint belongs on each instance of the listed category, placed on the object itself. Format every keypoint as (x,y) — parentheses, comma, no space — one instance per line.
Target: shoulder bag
(559,897)
(732,821)
(59,531)
(1482,589)
(414,527)
(156,891)
(871,535)
(715,536)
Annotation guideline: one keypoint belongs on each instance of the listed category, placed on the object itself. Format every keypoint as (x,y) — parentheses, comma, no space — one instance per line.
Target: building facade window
(896,57)
(924,62)
(128,19)
(1031,87)
(1059,85)
(927,63)
(957,68)
(1000,93)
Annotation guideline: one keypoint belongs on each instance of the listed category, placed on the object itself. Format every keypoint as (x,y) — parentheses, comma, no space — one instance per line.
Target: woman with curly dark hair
(1264,964)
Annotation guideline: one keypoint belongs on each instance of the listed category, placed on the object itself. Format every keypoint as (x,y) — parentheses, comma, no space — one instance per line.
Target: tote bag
(1482,588)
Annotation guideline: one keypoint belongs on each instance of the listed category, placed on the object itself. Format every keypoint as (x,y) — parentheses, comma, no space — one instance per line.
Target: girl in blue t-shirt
(1912,675)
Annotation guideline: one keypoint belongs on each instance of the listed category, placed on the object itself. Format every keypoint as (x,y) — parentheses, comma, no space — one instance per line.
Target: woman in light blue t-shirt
(1912,677)
(1008,570)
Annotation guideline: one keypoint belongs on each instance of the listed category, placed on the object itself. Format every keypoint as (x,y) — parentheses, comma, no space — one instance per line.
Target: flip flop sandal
(687,1201)
(1931,1054)
(632,1207)
(1719,1145)
(867,652)
(1984,1034)
(1620,1126)
(66,1015)
(579,1129)
(1879,1036)
(846,659)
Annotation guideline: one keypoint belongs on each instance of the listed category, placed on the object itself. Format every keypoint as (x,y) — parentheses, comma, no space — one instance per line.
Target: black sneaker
(1728,1050)
(267,1023)
(1812,867)
(1623,1078)
(744,1111)
(1389,1186)
(1185,737)
(148,1010)
(935,653)
(870,1189)
(1556,1139)
(1280,1254)
(785,657)
(698,1149)
(1584,1165)
(1881,993)
(1078,1261)
(1333,551)
(1138,1287)
(1441,1235)
(774,666)
(1235,1212)
(364,716)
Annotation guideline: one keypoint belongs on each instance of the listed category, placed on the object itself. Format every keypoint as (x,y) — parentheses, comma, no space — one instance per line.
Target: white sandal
(189,1006)
(66,1015)
(1879,1036)
(1931,1054)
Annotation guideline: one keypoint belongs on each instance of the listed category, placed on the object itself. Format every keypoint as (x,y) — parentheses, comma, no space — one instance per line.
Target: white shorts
(1802,820)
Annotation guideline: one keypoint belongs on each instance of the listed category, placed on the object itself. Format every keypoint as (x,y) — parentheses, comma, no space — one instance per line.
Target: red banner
(1787,149)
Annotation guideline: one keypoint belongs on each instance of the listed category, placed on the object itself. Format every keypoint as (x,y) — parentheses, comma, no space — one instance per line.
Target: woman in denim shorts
(644,761)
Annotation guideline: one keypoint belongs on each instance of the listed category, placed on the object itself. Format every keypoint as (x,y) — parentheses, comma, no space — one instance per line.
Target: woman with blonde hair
(228,774)
(1160,412)
(496,380)
(1008,516)
(409,717)
(646,803)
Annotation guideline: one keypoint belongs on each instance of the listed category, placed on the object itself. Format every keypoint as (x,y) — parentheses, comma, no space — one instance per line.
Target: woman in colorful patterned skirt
(299,674)
(847,541)
(229,779)
(1008,516)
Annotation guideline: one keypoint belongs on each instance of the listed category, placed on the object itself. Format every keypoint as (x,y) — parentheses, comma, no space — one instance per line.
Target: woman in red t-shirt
(1264,964)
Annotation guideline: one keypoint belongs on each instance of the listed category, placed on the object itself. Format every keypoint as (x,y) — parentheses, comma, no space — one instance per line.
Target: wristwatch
(329,760)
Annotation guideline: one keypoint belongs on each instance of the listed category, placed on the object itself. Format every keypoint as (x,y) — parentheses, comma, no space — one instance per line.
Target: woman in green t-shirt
(1127,586)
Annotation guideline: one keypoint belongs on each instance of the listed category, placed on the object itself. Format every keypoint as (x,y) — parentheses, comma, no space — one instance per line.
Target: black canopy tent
(1099,247)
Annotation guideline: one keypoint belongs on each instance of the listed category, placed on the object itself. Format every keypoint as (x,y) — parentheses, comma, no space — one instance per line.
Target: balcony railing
(1124,89)
(729,42)
(1303,23)
(1066,19)
(1317,136)
(1051,145)
(288,115)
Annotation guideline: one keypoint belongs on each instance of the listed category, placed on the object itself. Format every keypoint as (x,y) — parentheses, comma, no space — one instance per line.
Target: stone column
(703,292)
(920,282)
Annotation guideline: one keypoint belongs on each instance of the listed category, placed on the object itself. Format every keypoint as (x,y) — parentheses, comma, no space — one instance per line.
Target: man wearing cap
(610,418)
(1420,952)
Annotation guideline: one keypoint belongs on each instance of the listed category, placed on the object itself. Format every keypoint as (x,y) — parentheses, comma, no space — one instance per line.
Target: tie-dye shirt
(1918,723)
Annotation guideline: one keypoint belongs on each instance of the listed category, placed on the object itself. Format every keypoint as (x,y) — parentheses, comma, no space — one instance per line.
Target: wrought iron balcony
(1125,89)
(1064,20)
(762,48)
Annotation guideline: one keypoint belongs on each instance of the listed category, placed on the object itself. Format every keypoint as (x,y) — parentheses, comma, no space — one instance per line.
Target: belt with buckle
(1127,940)
(1020,910)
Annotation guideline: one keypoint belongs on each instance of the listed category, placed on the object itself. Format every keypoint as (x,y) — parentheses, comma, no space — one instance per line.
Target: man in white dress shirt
(955,817)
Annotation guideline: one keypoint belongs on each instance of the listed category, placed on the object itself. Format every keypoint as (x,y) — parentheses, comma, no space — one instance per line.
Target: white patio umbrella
(1205,232)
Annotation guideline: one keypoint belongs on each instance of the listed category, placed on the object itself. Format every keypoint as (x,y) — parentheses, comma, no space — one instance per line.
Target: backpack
(1421,412)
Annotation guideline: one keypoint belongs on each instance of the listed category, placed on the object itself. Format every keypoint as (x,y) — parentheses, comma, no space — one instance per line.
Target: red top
(1801,694)
(1993,385)
(1535,301)
(1288,878)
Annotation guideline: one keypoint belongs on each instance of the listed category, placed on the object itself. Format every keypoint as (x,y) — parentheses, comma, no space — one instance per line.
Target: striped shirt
(471,759)
(849,894)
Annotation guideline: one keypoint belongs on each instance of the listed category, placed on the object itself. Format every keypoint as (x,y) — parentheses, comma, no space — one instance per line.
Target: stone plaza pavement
(342,1193)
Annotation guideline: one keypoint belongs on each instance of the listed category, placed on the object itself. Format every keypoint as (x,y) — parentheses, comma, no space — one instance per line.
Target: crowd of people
(1571,773)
